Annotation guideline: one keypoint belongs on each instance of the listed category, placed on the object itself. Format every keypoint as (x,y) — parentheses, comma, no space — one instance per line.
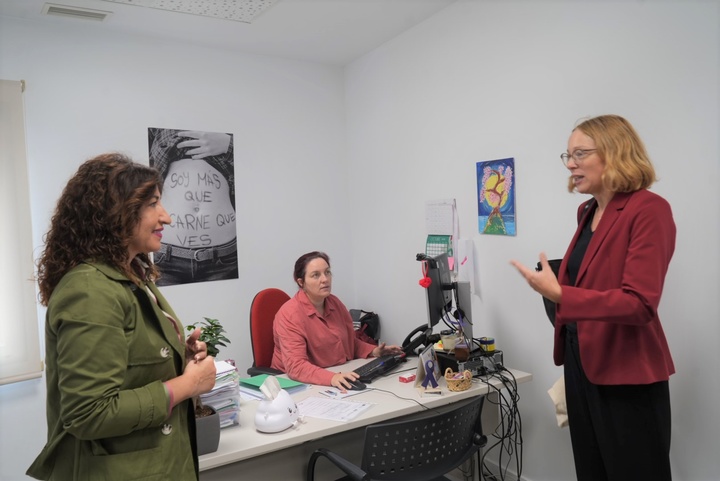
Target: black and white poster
(198,169)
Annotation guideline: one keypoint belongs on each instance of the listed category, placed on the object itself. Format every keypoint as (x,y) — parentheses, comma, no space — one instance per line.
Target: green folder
(288,384)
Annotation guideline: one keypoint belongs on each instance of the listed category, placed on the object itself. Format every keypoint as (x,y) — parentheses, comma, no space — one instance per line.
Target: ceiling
(333,32)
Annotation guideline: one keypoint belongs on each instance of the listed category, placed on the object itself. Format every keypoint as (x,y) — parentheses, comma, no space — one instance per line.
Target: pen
(332,393)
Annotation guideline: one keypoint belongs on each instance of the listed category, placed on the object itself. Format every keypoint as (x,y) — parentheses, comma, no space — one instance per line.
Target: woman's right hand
(341,380)
(198,378)
(543,282)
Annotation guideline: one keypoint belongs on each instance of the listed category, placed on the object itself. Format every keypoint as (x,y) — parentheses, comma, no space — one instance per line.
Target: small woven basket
(456,383)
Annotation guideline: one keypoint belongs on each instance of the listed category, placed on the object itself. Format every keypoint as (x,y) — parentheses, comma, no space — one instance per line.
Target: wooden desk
(245,453)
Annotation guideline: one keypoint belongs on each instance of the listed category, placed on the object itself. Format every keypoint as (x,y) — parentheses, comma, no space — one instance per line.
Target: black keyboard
(379,366)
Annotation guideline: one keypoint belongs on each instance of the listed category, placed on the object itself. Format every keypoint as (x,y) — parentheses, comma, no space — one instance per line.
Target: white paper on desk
(223,367)
(250,394)
(335,393)
(332,409)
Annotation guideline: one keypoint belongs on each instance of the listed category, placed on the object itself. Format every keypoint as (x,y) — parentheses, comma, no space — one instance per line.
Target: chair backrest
(262,314)
(424,448)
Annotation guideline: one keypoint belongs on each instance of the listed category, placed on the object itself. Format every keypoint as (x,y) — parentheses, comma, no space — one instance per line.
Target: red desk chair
(262,314)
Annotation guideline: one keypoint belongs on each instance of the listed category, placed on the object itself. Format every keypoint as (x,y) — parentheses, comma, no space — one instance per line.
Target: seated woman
(314,330)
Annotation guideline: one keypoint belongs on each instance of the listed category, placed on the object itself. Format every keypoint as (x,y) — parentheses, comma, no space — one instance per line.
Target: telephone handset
(417,338)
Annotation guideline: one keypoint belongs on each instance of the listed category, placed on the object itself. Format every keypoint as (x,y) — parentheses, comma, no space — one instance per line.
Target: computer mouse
(356,385)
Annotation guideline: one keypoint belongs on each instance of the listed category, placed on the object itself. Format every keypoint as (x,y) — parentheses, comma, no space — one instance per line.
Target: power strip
(483,364)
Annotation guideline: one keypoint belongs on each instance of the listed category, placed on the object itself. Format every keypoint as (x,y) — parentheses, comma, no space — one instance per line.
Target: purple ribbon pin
(429,374)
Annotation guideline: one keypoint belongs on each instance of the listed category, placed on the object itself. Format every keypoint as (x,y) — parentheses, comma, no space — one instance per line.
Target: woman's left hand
(195,349)
(383,350)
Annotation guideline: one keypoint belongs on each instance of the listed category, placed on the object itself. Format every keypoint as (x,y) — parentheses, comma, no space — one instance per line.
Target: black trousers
(618,433)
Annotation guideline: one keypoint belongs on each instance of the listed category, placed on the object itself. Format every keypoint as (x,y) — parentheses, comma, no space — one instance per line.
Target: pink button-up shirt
(306,343)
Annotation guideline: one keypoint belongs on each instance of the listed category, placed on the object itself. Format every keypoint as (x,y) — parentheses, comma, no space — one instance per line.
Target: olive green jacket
(109,347)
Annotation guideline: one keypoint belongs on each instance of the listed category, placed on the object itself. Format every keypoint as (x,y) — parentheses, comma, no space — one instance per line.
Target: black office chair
(421,449)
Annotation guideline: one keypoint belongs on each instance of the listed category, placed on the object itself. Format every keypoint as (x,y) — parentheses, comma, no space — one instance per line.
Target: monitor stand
(465,305)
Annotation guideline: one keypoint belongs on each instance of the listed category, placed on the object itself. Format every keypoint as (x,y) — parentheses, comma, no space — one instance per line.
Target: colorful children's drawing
(496,197)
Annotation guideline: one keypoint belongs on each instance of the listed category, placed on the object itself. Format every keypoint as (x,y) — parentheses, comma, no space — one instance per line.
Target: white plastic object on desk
(277,412)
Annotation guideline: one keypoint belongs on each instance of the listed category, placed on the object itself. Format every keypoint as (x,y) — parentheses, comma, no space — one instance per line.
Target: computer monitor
(440,290)
(439,298)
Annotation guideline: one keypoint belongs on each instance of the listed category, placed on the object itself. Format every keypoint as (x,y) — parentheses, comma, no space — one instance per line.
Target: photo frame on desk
(422,384)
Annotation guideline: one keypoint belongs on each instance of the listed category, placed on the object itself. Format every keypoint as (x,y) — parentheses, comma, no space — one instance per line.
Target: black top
(576,257)
(578,252)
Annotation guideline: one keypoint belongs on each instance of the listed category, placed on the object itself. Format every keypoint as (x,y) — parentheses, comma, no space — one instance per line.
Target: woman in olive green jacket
(120,377)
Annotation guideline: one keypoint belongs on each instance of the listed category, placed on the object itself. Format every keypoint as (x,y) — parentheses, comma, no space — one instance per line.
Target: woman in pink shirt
(314,330)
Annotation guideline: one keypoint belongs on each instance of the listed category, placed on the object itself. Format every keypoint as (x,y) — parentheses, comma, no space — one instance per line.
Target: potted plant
(207,420)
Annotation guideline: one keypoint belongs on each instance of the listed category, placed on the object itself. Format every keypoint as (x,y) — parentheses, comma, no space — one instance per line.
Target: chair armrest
(255,370)
(480,440)
(354,472)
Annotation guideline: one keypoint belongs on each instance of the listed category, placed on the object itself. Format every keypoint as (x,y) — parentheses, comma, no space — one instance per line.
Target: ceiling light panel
(237,10)
(75,12)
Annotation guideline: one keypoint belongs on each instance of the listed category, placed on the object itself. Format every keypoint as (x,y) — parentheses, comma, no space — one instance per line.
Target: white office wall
(476,82)
(89,92)
(488,80)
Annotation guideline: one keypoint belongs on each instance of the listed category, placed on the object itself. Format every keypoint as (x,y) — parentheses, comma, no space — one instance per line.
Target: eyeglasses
(578,156)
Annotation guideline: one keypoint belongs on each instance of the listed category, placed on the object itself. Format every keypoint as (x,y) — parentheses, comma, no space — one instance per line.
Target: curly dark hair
(95,219)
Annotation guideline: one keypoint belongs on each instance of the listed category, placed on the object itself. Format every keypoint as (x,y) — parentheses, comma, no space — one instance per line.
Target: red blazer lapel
(610,216)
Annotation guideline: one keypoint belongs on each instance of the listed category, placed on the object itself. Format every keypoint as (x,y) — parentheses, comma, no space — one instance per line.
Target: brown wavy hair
(95,219)
(627,165)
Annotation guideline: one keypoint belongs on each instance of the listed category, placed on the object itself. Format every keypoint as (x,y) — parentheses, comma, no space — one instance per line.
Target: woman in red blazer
(608,334)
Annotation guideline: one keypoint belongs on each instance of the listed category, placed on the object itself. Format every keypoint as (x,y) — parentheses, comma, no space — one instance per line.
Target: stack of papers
(250,386)
(225,396)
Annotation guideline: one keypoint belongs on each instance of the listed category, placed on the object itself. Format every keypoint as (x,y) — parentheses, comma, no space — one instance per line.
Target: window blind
(19,343)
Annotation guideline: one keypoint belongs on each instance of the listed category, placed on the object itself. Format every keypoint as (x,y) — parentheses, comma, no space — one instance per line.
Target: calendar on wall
(441,227)
(439,244)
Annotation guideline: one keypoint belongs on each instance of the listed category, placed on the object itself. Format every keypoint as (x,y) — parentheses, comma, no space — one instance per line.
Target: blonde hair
(627,165)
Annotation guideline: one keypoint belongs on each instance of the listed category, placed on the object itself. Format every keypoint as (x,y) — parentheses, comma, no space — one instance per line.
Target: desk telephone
(420,336)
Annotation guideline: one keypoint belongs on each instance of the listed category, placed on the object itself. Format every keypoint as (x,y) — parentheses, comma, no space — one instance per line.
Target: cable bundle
(507,438)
